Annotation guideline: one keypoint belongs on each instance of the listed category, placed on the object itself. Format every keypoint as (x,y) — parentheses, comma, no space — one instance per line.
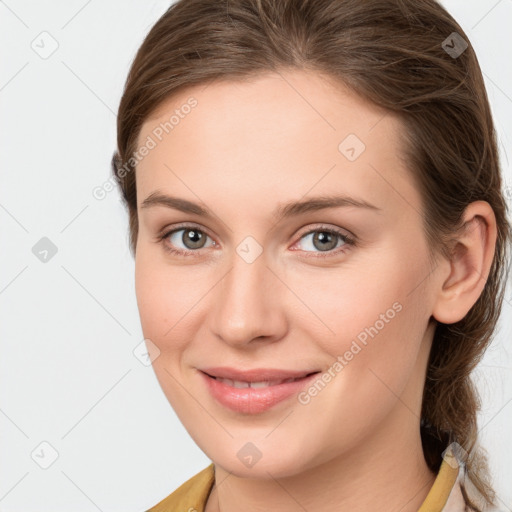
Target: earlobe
(470,263)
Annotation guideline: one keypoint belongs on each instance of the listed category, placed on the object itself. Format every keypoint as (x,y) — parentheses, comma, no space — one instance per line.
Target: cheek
(159,296)
(378,318)
(165,301)
(168,299)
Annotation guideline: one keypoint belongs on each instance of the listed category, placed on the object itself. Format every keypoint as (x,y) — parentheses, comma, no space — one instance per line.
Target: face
(244,280)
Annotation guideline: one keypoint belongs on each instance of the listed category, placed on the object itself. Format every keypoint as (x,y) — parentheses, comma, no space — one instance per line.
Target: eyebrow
(283,211)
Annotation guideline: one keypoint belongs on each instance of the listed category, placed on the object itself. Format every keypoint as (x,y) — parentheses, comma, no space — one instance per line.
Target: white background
(68,375)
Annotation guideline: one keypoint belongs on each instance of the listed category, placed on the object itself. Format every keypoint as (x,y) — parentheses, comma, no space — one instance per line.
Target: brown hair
(396,54)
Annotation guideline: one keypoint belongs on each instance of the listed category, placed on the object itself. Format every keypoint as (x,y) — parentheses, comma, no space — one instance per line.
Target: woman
(320,244)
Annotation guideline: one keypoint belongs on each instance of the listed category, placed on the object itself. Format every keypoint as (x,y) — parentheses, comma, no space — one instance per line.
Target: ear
(470,263)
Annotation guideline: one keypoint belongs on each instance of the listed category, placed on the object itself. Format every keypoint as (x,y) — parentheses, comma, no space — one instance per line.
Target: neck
(385,472)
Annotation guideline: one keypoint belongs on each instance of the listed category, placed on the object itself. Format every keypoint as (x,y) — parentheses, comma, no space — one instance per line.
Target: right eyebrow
(183,205)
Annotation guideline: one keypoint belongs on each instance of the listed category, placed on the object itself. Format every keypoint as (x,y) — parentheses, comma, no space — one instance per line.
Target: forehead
(296,103)
(289,132)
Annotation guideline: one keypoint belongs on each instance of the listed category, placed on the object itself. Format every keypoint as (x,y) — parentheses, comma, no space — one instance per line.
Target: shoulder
(191,495)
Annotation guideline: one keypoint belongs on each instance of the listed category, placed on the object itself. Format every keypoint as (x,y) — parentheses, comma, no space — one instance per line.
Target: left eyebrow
(286,210)
(320,203)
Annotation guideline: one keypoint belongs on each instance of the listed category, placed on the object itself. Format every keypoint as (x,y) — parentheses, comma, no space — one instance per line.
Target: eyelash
(348,241)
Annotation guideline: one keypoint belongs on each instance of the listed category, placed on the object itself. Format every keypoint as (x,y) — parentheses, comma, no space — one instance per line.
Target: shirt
(444,496)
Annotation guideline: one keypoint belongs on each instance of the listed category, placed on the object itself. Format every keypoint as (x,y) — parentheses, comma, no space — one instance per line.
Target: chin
(252,460)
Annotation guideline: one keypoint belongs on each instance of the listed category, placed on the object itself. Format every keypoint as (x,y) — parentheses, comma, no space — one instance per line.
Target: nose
(248,304)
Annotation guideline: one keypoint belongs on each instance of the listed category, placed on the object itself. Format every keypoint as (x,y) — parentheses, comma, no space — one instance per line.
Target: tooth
(262,384)
(259,384)
(239,384)
(265,383)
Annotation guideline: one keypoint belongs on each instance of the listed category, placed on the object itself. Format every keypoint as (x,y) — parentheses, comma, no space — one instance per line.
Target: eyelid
(184,225)
(326,227)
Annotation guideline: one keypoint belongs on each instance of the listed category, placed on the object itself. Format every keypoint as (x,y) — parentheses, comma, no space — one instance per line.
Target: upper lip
(255,374)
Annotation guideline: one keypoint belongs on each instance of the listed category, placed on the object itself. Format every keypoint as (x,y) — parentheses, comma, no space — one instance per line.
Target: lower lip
(254,400)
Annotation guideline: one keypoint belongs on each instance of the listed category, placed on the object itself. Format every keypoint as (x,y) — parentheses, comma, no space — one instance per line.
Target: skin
(247,147)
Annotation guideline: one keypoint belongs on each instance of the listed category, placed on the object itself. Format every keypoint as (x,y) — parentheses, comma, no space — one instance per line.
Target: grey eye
(191,238)
(323,240)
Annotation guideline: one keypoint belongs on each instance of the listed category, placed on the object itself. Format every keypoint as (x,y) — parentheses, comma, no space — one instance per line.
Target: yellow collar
(194,493)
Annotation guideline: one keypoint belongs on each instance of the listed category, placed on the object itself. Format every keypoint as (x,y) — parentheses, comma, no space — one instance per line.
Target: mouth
(254,396)
(241,384)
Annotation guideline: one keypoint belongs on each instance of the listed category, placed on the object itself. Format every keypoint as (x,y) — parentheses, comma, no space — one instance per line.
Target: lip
(255,400)
(255,374)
